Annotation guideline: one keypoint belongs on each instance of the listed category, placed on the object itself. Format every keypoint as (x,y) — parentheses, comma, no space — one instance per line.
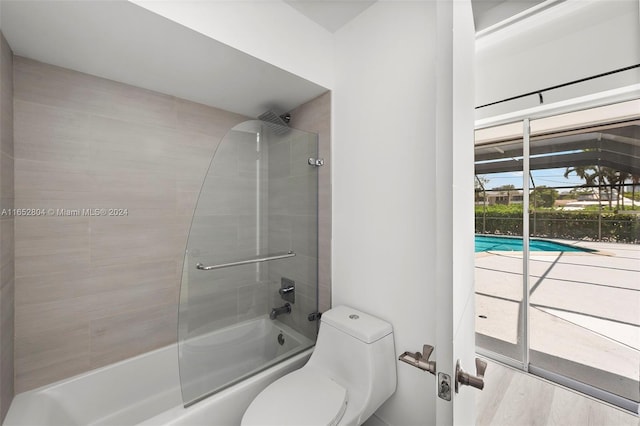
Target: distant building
(499,197)
(604,197)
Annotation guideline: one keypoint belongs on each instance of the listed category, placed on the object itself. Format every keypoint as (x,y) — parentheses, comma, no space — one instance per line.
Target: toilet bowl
(351,372)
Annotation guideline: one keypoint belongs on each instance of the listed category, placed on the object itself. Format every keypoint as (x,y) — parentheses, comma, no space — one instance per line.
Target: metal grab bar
(246,262)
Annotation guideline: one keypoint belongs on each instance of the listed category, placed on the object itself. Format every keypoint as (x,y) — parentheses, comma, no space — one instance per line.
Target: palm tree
(588,173)
(583,173)
(635,181)
(622,178)
(610,177)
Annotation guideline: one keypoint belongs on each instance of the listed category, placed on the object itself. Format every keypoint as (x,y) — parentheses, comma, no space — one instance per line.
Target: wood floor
(513,398)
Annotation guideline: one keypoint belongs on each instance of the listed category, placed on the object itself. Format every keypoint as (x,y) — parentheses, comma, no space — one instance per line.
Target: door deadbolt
(464,378)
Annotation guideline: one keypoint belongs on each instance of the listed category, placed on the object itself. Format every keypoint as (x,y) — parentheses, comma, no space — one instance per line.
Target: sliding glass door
(578,193)
(585,300)
(498,223)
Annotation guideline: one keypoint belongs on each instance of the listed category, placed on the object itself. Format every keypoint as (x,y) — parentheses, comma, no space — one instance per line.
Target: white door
(383,248)
(455,328)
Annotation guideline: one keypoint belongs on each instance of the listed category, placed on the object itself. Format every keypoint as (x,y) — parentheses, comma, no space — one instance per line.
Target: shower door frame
(525,117)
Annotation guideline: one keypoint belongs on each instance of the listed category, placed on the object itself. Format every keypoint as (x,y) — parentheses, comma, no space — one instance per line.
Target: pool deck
(585,311)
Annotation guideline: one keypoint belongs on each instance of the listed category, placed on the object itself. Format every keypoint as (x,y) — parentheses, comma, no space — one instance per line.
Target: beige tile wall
(94,290)
(7,290)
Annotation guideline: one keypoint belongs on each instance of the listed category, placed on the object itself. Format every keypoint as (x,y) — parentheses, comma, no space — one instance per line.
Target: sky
(547,177)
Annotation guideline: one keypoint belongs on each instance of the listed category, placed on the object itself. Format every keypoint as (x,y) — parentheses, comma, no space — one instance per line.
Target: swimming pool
(498,243)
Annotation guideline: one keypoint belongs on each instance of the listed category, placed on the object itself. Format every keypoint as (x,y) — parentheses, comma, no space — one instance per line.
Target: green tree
(587,173)
(480,182)
(635,181)
(543,196)
(622,178)
(609,177)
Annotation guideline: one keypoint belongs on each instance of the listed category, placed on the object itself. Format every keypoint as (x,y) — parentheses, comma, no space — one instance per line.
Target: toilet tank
(364,327)
(357,350)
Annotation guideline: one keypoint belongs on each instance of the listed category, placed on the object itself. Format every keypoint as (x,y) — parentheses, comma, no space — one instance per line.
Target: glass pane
(258,201)
(585,254)
(498,218)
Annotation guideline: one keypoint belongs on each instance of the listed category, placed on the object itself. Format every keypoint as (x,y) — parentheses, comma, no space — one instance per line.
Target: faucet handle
(287,290)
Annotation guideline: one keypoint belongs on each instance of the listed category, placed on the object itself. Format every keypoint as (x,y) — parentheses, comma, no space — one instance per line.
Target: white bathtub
(145,390)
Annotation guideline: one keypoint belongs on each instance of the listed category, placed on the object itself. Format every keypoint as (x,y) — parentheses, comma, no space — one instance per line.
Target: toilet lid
(302,398)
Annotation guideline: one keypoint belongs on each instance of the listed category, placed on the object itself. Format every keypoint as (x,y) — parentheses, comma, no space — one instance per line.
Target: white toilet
(351,372)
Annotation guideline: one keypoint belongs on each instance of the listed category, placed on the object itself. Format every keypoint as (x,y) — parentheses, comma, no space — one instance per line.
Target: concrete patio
(584,315)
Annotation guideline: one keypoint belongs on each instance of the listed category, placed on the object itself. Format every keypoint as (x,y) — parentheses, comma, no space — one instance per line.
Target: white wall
(384,168)
(270,30)
(572,40)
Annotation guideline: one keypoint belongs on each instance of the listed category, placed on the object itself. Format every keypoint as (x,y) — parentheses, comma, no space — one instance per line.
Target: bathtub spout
(275,312)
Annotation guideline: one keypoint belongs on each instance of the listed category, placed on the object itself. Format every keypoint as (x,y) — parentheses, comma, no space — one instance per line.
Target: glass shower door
(254,231)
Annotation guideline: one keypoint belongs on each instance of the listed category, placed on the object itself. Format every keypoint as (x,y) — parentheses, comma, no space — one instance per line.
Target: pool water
(495,243)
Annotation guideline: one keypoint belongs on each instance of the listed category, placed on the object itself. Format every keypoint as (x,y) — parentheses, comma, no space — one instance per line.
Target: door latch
(444,386)
(464,378)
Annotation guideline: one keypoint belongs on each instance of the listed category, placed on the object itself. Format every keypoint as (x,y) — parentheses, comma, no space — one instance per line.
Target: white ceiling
(334,14)
(330,14)
(121,41)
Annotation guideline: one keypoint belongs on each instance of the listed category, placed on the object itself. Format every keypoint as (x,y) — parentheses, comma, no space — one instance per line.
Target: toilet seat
(302,398)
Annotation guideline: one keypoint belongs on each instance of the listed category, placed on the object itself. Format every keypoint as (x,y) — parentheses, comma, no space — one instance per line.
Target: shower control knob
(285,290)
(467,379)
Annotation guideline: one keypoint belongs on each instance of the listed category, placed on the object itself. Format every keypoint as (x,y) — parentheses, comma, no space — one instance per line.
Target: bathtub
(145,390)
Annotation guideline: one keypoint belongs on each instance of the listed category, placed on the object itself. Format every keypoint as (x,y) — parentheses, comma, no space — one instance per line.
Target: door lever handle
(467,379)
(420,360)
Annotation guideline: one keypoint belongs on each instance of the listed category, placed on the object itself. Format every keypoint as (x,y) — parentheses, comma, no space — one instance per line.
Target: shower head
(277,123)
